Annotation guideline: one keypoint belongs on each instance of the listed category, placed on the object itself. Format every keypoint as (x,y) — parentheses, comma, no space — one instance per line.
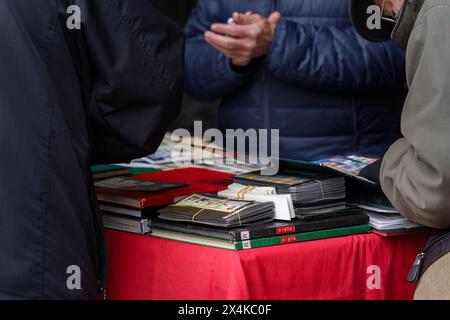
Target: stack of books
(312,193)
(217,211)
(391,224)
(241,218)
(361,193)
(255,234)
(127,220)
(128,203)
(283,204)
(304,201)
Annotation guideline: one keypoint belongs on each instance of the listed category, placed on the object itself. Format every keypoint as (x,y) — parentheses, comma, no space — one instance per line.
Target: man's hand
(249,37)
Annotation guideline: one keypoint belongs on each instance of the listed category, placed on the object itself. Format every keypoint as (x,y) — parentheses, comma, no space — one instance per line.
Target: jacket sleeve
(137,76)
(415,173)
(333,58)
(209,75)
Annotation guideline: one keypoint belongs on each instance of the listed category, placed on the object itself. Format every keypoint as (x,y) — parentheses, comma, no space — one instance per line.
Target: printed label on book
(285,230)
(245,235)
(289,239)
(246,244)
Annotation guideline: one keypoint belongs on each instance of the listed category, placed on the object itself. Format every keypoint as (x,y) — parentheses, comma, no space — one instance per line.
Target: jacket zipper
(413,274)
(355,140)
(100,242)
(266,113)
(266,85)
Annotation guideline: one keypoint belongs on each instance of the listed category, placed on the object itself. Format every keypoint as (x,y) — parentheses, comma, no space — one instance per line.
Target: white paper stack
(390,221)
(284,208)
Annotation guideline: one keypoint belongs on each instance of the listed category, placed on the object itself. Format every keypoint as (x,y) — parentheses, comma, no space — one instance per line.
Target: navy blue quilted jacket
(329,91)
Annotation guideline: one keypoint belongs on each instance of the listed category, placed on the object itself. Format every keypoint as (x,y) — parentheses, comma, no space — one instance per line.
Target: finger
(248,13)
(225,42)
(237,19)
(275,18)
(224,48)
(233,30)
(243,19)
(228,53)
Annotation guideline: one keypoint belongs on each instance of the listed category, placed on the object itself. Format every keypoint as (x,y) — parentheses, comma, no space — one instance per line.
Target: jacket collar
(405,22)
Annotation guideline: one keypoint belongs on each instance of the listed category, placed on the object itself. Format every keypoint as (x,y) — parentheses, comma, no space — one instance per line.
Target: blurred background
(179,11)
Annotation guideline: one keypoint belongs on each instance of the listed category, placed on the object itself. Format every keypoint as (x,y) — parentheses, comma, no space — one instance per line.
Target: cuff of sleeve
(229,73)
(390,166)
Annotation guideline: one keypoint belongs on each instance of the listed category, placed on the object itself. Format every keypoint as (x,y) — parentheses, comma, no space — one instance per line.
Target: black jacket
(70,99)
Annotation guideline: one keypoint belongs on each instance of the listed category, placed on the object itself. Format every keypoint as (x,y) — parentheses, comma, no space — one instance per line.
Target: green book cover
(112,167)
(105,167)
(301,237)
(262,242)
(136,171)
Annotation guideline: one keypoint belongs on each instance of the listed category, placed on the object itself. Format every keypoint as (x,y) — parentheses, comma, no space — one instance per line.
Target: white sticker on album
(245,235)
(246,244)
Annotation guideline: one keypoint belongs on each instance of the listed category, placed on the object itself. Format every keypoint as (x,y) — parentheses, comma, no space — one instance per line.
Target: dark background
(179,11)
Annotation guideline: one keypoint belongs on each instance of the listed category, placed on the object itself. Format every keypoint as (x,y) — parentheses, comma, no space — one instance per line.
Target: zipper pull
(414,272)
(101,291)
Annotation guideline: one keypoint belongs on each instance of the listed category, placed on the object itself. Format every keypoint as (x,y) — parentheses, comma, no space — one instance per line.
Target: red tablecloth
(142,267)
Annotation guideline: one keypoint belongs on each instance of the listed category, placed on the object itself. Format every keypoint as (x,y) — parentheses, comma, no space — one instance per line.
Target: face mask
(388,19)
(362,12)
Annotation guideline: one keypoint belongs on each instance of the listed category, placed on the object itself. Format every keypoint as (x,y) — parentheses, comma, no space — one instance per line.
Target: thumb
(274,18)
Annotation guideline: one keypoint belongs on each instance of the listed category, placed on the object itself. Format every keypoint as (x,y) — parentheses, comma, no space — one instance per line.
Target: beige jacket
(415,173)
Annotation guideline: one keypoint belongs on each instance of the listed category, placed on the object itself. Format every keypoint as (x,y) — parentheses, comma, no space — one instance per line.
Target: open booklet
(349,166)
(361,191)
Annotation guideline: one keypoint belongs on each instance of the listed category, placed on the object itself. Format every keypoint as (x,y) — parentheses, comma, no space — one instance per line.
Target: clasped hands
(248,37)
